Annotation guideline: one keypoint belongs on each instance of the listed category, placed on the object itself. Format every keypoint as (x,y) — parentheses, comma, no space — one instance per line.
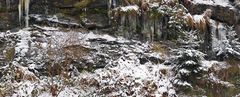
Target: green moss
(99,11)
(65,11)
(83,4)
(82,15)
(9,55)
(67,1)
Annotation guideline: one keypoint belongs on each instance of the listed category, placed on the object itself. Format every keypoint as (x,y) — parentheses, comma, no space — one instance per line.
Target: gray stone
(95,21)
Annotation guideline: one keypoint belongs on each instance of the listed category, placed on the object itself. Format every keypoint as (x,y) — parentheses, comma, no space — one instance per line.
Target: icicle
(109,11)
(23,6)
(46,7)
(114,3)
(26,6)
(133,24)
(109,5)
(8,3)
(20,11)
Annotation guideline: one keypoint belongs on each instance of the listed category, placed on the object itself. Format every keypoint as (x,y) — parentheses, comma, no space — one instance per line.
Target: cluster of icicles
(23,6)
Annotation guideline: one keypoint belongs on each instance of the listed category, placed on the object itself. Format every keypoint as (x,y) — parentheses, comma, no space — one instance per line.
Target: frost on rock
(129,78)
(57,62)
(215,65)
(213,2)
(120,72)
(25,89)
(219,81)
(130,8)
(23,46)
(55,20)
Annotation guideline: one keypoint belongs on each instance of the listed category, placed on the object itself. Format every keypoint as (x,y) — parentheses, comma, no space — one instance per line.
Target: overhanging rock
(226,14)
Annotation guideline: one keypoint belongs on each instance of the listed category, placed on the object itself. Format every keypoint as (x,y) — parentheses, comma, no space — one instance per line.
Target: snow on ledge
(129,8)
(213,64)
(224,3)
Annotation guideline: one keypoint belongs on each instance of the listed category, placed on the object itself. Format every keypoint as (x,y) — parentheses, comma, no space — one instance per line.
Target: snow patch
(130,8)
(213,2)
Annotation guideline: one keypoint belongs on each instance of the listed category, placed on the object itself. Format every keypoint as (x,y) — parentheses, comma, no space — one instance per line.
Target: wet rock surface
(9,12)
(95,21)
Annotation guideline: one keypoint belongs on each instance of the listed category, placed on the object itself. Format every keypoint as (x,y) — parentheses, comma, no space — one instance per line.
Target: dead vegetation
(160,48)
(200,24)
(23,74)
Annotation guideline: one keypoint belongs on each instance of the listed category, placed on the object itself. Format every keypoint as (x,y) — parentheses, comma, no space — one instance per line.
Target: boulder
(225,14)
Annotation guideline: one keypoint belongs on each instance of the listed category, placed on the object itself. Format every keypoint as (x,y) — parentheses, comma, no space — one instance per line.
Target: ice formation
(23,6)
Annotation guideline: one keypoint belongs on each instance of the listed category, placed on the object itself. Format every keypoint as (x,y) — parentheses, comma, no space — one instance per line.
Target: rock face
(237,29)
(84,51)
(8,20)
(95,15)
(8,15)
(9,11)
(49,60)
(224,14)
